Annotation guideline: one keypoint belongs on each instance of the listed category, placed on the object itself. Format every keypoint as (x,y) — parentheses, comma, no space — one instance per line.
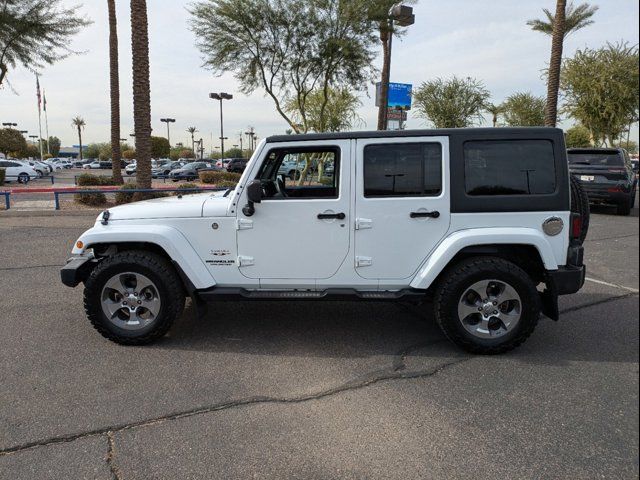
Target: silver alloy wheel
(489,308)
(130,301)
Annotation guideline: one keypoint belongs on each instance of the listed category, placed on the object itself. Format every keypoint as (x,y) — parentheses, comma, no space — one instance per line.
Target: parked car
(222,162)
(95,165)
(607,176)
(478,220)
(42,169)
(106,164)
(16,171)
(291,168)
(189,171)
(237,165)
(165,169)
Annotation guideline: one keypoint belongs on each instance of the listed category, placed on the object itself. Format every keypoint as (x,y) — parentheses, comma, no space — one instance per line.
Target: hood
(187,206)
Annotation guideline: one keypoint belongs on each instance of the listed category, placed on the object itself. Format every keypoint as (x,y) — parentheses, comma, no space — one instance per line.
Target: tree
(11,140)
(453,103)
(141,92)
(79,124)
(524,110)
(495,110)
(129,154)
(578,136)
(181,152)
(630,146)
(575,19)
(114,87)
(289,48)
(233,153)
(54,146)
(35,33)
(192,131)
(559,26)
(600,90)
(160,148)
(340,113)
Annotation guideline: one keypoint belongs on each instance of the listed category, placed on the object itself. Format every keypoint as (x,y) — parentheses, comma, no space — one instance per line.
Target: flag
(44,101)
(38,92)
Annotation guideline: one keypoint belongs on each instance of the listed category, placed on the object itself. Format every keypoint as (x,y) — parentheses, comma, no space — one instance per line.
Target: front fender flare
(454,243)
(170,239)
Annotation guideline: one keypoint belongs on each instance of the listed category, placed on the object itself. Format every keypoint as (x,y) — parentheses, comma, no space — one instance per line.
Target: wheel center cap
(488,308)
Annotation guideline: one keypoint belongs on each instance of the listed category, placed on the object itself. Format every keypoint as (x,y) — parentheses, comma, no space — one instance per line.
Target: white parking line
(629,289)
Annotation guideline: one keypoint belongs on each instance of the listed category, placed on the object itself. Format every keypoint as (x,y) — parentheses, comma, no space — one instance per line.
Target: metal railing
(32,178)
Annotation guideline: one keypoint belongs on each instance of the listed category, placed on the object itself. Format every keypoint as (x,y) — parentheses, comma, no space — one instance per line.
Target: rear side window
(509,167)
(403,170)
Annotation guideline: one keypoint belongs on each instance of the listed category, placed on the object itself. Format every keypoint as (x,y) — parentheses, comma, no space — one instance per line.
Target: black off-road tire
(580,205)
(160,271)
(456,280)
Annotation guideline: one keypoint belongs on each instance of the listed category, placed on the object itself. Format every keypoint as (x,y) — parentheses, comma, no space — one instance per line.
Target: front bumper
(77,270)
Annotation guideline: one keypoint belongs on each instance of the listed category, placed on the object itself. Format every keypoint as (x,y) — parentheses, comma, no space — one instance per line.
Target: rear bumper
(600,193)
(77,270)
(567,280)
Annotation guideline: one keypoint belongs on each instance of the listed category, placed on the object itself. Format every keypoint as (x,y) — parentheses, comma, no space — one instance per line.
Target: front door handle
(325,216)
(434,214)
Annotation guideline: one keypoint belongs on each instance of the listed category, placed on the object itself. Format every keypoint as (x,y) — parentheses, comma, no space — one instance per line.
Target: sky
(488,40)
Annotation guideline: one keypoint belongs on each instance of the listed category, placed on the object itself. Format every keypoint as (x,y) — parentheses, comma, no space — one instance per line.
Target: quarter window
(509,167)
(403,170)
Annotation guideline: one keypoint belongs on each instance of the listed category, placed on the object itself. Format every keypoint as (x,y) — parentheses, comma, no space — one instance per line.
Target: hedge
(91,199)
(187,186)
(125,197)
(2,174)
(217,177)
(90,180)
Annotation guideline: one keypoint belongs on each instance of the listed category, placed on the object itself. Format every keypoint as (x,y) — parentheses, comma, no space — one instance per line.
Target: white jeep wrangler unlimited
(476,222)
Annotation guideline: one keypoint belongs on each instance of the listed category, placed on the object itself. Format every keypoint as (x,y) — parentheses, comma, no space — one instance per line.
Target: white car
(131,168)
(42,169)
(476,224)
(16,171)
(95,165)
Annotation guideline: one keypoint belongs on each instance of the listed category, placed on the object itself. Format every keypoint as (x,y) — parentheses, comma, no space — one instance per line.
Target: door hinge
(245,261)
(363,223)
(364,261)
(244,224)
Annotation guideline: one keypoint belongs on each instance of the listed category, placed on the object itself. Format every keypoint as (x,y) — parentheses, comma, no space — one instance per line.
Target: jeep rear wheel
(487,305)
(133,297)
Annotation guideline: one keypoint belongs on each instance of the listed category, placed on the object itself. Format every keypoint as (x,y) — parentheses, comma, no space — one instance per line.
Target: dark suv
(606,175)
(237,165)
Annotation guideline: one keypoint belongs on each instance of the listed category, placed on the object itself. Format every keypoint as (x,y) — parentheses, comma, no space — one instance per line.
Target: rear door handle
(325,216)
(434,214)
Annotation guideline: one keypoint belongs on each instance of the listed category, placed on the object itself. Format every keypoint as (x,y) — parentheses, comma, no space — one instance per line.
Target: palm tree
(495,111)
(141,91)
(115,93)
(79,123)
(575,19)
(192,131)
(566,20)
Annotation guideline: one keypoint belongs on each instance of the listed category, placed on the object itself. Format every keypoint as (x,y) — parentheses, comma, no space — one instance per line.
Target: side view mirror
(254,195)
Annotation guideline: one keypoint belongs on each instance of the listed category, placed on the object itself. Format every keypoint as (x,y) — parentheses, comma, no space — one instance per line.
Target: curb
(12,213)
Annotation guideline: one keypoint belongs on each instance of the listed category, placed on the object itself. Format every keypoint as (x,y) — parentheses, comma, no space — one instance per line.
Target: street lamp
(33,138)
(9,124)
(23,131)
(221,96)
(403,16)
(168,121)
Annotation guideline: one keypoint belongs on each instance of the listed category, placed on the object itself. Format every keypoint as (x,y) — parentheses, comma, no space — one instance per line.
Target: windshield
(597,159)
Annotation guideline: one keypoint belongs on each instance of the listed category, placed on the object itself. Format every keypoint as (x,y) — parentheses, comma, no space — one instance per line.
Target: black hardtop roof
(490,131)
(595,150)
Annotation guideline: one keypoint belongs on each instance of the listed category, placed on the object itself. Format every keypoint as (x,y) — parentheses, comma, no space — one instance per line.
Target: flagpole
(46,120)
(39,118)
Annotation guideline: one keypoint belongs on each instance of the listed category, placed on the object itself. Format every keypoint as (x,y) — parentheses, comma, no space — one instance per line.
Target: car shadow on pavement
(367,329)
(306,329)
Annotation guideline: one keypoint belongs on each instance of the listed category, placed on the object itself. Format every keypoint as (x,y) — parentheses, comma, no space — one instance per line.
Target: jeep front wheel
(487,305)
(133,297)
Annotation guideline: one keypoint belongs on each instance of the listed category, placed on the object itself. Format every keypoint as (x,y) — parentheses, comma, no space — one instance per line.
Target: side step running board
(344,294)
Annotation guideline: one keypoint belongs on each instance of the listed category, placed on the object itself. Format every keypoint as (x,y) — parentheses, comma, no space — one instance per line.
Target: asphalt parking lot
(313,390)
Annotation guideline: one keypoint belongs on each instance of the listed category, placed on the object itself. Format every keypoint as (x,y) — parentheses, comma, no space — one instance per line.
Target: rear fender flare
(454,243)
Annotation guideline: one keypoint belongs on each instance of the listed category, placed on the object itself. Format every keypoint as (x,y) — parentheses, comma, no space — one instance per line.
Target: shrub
(90,180)
(215,177)
(91,199)
(125,197)
(187,186)
(47,156)
(2,174)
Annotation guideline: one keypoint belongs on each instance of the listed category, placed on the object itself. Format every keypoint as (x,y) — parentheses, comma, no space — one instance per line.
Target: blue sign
(400,96)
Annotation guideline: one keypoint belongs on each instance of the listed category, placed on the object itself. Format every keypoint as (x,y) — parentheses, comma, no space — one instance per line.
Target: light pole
(33,138)
(23,131)
(221,96)
(9,124)
(403,16)
(168,121)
